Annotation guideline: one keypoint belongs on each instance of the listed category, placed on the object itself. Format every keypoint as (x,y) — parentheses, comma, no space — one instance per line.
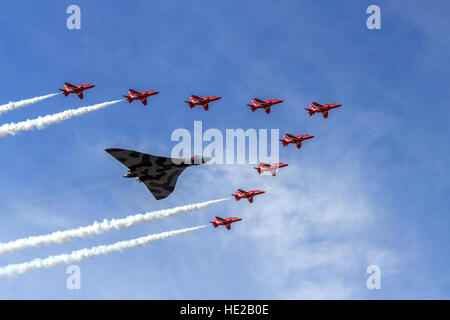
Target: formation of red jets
(254,105)
(194,100)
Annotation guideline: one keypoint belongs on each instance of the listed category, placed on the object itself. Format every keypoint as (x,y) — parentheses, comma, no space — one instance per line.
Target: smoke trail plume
(22,103)
(42,122)
(79,255)
(99,228)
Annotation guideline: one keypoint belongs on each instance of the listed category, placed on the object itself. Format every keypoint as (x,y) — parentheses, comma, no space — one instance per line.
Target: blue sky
(371,188)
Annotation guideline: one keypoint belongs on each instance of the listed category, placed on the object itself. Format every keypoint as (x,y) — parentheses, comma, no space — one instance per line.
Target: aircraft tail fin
(284,142)
(190,104)
(258,169)
(214,224)
(129,99)
(64,91)
(236,197)
(310,112)
(252,107)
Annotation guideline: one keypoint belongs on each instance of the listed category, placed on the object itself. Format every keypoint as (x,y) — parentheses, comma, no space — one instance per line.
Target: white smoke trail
(79,255)
(12,105)
(42,122)
(99,228)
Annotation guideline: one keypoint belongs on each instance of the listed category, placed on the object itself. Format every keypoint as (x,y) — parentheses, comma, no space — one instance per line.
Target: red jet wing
(318,105)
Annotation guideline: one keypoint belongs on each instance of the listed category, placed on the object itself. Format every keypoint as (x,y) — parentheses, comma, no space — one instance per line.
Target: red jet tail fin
(129,99)
(64,91)
(190,104)
(258,169)
(310,112)
(236,197)
(284,142)
(213,223)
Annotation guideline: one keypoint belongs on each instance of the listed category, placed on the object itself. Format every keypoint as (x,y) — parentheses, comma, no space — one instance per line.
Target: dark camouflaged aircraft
(159,174)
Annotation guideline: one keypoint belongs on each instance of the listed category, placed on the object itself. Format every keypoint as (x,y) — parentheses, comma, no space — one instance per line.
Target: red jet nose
(281,165)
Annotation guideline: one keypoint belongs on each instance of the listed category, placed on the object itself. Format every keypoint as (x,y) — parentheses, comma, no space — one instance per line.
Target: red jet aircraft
(218,221)
(70,88)
(197,101)
(260,104)
(242,194)
(297,140)
(316,107)
(142,96)
(272,168)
